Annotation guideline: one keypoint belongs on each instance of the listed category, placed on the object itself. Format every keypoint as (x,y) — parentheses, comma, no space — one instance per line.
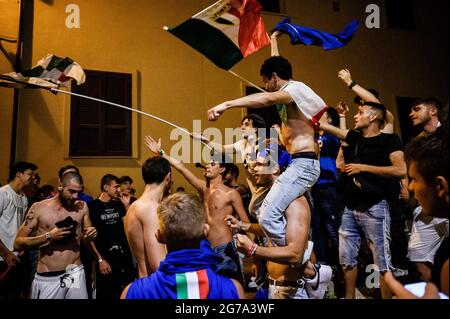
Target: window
(99,129)
(400,14)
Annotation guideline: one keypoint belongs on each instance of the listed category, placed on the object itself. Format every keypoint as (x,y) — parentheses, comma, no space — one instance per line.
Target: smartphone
(418,289)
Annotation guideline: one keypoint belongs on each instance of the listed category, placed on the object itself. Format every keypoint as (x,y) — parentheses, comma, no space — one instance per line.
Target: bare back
(141,224)
(298,133)
(57,255)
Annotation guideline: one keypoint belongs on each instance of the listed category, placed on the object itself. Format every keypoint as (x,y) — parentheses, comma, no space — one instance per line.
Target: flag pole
(126,108)
(246,81)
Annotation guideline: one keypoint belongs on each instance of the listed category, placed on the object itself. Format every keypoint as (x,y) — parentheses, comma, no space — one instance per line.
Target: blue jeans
(325,223)
(230,265)
(300,175)
(374,224)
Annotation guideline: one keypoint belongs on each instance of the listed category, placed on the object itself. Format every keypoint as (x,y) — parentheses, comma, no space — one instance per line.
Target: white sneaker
(252,284)
(317,286)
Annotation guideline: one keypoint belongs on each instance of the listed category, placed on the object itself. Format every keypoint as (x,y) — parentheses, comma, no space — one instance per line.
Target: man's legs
(350,276)
(349,243)
(301,175)
(326,205)
(375,223)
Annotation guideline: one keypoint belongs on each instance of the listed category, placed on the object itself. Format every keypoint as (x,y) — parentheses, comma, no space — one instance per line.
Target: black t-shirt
(373,151)
(107,219)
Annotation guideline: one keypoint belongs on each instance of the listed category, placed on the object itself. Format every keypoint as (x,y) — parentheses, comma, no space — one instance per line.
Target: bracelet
(100,260)
(342,116)
(252,249)
(352,84)
(161,152)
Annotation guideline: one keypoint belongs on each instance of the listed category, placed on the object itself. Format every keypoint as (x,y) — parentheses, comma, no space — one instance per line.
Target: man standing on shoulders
(300,109)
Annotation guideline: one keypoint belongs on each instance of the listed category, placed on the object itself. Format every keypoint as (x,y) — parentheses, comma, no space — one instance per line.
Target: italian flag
(225,32)
(50,71)
(192,285)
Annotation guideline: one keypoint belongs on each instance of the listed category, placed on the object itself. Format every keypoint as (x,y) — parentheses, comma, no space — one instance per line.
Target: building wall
(173,81)
(9,27)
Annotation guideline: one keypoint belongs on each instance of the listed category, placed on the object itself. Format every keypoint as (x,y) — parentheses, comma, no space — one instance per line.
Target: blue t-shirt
(329,148)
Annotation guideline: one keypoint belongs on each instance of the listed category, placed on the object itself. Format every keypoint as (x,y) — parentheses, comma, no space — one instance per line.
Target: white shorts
(69,285)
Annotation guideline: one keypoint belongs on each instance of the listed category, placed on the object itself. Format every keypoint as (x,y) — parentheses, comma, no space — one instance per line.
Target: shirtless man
(300,109)
(141,221)
(220,201)
(60,273)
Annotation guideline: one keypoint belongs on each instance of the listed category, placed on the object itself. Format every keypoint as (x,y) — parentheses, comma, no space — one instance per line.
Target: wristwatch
(100,260)
(48,237)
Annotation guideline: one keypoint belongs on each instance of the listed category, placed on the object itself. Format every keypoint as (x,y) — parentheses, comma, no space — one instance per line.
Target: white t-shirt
(12,212)
(308,102)
(427,234)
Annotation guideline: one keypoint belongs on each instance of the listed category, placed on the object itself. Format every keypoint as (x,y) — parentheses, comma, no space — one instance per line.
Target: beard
(66,201)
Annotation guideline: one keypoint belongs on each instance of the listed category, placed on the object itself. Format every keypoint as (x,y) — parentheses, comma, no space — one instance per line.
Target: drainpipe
(17,67)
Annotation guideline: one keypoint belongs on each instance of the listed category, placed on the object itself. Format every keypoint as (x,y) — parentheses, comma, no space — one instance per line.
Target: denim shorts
(287,292)
(374,224)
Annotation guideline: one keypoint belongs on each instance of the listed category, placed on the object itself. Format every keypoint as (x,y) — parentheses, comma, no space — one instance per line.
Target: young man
(114,268)
(300,109)
(366,95)
(187,272)
(60,223)
(13,205)
(125,187)
(71,168)
(428,158)
(425,114)
(247,148)
(375,166)
(220,201)
(141,221)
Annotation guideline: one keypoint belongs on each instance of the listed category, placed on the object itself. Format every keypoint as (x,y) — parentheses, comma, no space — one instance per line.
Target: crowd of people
(321,201)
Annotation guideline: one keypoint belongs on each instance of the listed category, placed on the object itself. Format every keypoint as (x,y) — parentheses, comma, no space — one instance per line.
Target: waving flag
(225,32)
(309,36)
(51,71)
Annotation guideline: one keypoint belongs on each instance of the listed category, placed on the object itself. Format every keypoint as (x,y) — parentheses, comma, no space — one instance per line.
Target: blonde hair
(181,218)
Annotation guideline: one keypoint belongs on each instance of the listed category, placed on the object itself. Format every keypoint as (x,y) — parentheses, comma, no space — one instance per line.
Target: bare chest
(48,220)
(218,203)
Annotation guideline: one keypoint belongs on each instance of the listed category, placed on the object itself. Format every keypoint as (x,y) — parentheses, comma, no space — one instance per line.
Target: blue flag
(310,36)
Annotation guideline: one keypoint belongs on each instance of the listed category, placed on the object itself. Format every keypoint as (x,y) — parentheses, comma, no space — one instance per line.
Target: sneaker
(317,286)
(252,284)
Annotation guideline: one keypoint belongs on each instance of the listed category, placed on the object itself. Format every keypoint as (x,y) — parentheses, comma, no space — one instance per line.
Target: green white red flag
(226,32)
